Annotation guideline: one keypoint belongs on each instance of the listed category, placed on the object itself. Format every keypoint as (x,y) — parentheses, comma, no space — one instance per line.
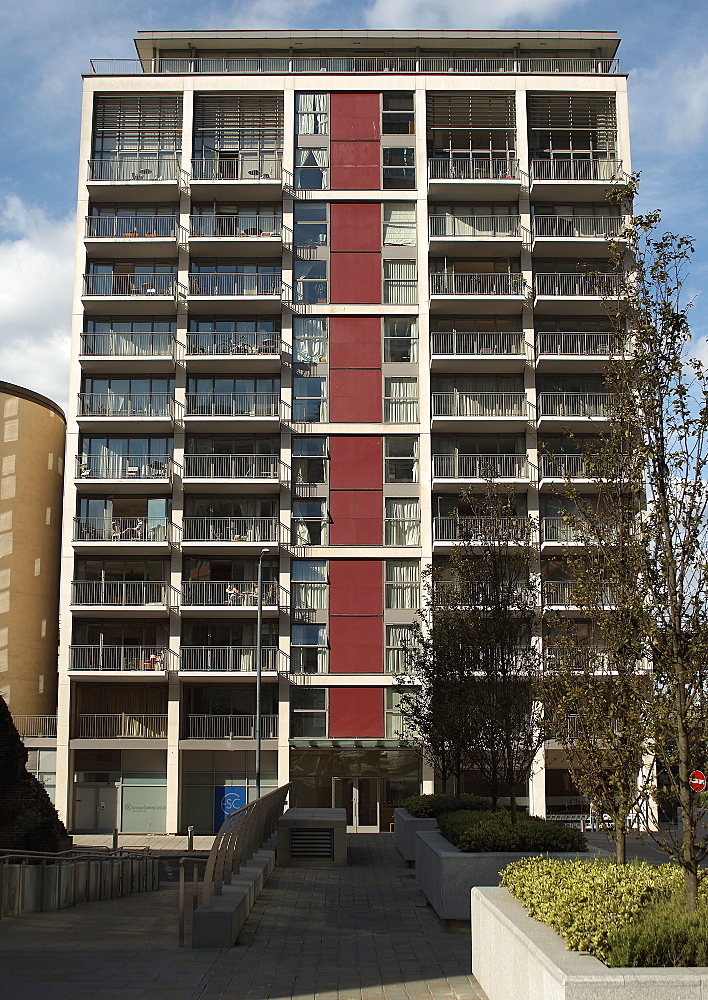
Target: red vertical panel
(355,277)
(355,395)
(355,342)
(356,711)
(355,587)
(355,116)
(356,463)
(356,645)
(355,517)
(354,226)
(355,166)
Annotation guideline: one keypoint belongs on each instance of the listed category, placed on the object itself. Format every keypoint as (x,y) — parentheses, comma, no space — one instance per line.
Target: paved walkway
(358,933)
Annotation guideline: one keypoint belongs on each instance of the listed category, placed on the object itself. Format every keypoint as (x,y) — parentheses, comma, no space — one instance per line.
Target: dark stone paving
(363,932)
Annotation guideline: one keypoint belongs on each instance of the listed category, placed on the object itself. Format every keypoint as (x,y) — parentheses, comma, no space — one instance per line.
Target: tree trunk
(512,802)
(690,881)
(620,844)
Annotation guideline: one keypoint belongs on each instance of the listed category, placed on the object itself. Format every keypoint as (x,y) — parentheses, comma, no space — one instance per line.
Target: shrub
(494,831)
(432,806)
(663,934)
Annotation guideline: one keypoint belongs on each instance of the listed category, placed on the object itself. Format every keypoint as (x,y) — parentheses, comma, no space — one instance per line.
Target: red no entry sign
(697,781)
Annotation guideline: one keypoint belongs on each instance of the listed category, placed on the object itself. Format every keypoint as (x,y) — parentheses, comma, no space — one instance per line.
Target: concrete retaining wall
(517,958)
(405,828)
(219,925)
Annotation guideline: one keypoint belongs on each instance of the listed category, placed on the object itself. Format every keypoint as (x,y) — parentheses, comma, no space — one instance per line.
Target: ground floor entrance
(360,798)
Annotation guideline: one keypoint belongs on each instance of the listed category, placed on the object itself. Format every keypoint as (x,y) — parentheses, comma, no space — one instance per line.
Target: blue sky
(46,46)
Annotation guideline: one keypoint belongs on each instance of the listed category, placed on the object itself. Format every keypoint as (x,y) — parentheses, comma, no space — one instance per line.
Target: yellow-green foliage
(587,901)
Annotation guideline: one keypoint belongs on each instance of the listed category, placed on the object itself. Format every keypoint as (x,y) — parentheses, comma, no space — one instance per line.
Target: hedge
(493,831)
(432,806)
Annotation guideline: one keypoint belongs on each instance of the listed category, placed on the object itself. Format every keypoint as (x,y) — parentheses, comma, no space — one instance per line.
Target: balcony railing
(456,344)
(228,594)
(227,659)
(230,727)
(574,404)
(120,593)
(120,659)
(480,467)
(234,344)
(577,226)
(561,593)
(563,467)
(130,284)
(571,285)
(211,226)
(575,728)
(124,467)
(116,344)
(35,725)
(232,467)
(230,529)
(121,725)
(443,168)
(232,404)
(124,529)
(457,529)
(483,226)
(560,529)
(135,168)
(474,593)
(245,167)
(442,283)
(126,404)
(104,227)
(579,345)
(479,404)
(401,531)
(577,170)
(580,658)
(235,284)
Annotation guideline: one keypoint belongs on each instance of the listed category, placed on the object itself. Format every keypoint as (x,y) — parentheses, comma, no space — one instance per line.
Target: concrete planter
(446,874)
(517,958)
(405,828)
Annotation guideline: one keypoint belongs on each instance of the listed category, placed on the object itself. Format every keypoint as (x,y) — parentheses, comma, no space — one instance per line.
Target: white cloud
(477,14)
(37,267)
(260,15)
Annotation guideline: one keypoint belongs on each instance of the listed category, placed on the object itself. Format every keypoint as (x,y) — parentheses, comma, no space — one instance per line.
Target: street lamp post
(259,643)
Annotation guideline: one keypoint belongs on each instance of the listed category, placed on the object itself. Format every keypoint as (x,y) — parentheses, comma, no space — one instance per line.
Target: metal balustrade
(482,226)
(470,594)
(123,725)
(594,169)
(243,167)
(230,727)
(562,466)
(124,529)
(577,226)
(575,727)
(240,344)
(146,168)
(121,593)
(124,467)
(574,404)
(457,529)
(464,344)
(227,659)
(126,404)
(233,226)
(130,284)
(119,344)
(120,659)
(480,404)
(560,529)
(35,726)
(579,344)
(458,168)
(480,467)
(232,404)
(225,593)
(234,467)
(574,284)
(401,531)
(444,283)
(561,593)
(230,529)
(205,283)
(579,658)
(111,227)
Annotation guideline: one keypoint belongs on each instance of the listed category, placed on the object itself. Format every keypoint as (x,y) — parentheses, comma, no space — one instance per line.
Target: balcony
(36,726)
(148,236)
(206,473)
(481,468)
(231,596)
(573,235)
(155,349)
(255,409)
(474,293)
(231,175)
(133,408)
(137,175)
(149,533)
(238,346)
(475,593)
(466,409)
(121,725)
(243,292)
(559,531)
(474,351)
(251,234)
(121,472)
(589,177)
(561,467)
(142,597)
(227,659)
(120,659)
(580,658)
(479,530)
(497,233)
(223,533)
(134,293)
(230,727)
(576,292)
(563,350)
(468,177)
(561,594)
(573,408)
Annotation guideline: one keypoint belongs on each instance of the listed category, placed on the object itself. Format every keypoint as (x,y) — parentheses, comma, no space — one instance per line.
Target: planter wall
(405,828)
(446,874)
(517,958)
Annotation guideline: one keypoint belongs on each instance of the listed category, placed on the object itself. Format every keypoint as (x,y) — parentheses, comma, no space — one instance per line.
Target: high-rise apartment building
(325,280)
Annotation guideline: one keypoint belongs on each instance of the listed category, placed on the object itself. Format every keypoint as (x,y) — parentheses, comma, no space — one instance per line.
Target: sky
(46,46)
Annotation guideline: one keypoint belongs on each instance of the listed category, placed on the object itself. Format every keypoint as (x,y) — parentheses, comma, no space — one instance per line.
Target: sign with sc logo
(227,799)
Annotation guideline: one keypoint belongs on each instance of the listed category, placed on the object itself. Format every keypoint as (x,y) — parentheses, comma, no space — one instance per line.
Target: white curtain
(311,114)
(399,224)
(401,403)
(309,584)
(402,584)
(402,521)
(397,637)
(400,285)
(310,338)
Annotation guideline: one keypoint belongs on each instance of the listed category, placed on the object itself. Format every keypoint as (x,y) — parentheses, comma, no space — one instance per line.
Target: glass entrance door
(360,798)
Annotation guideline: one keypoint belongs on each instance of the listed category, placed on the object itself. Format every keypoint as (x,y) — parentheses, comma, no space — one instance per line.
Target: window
(310,280)
(397,638)
(401,459)
(398,167)
(310,339)
(398,117)
(400,282)
(402,521)
(308,712)
(308,523)
(309,398)
(310,224)
(311,173)
(136,127)
(308,649)
(399,224)
(311,114)
(308,584)
(400,400)
(396,726)
(309,460)
(402,584)
(400,339)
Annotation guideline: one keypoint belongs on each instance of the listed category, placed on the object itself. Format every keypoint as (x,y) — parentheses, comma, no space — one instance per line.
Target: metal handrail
(130,284)
(230,529)
(232,404)
(116,344)
(455,529)
(563,466)
(476,168)
(560,529)
(449,283)
(480,467)
(572,284)
(474,343)
(124,529)
(482,226)
(112,227)
(219,283)
(35,725)
(122,725)
(246,166)
(267,343)
(577,226)
(579,344)
(592,169)
(479,404)
(121,659)
(224,593)
(121,593)
(574,404)
(124,467)
(243,225)
(227,659)
(126,404)
(230,727)
(212,466)
(146,168)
